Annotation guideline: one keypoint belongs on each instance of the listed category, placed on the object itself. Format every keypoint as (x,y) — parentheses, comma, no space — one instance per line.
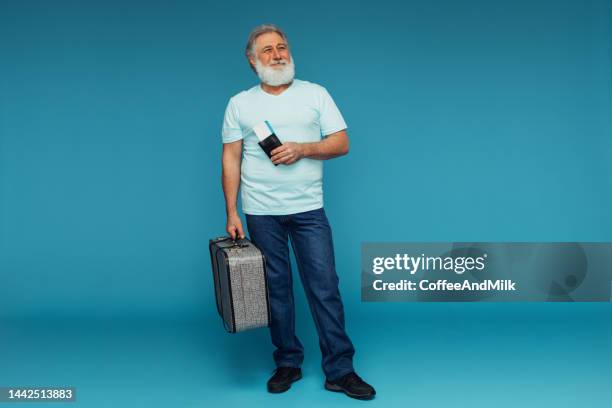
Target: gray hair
(256,32)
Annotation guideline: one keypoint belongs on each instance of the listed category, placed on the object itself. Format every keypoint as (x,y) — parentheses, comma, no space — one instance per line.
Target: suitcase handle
(238,242)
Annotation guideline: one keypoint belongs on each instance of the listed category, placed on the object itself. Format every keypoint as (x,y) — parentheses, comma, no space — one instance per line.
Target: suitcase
(241,288)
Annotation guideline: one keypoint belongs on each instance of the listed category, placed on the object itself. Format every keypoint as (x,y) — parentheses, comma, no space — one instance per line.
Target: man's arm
(230,178)
(334,145)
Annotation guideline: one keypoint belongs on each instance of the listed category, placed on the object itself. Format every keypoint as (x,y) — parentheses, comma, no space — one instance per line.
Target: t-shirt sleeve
(231,130)
(330,118)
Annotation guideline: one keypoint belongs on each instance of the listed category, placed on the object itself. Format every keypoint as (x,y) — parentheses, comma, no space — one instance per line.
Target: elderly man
(282,198)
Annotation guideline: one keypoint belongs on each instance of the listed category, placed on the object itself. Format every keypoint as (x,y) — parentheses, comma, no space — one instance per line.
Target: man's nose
(276,54)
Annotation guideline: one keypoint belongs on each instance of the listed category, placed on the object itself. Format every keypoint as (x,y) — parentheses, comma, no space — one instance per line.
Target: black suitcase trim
(217,282)
(232,328)
(215,274)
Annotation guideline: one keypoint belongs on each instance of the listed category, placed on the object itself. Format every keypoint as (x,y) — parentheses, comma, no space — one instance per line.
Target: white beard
(275,76)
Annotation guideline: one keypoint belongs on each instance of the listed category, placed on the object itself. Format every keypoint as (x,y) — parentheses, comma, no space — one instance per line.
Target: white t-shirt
(304,112)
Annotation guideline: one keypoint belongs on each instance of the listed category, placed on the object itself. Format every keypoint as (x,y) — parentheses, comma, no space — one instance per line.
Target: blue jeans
(311,238)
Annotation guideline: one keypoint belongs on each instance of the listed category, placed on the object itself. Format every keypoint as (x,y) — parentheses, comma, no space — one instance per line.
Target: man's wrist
(308,149)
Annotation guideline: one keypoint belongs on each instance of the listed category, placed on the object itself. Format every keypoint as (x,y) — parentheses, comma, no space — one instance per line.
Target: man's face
(271,50)
(273,62)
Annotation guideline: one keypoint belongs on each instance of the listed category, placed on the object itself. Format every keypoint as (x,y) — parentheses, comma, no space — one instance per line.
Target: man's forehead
(266,39)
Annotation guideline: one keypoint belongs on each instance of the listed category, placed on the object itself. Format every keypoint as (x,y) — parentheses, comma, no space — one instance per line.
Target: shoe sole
(280,390)
(336,388)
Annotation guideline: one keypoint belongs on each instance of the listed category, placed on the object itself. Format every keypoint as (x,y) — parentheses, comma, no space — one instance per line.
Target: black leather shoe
(352,385)
(282,379)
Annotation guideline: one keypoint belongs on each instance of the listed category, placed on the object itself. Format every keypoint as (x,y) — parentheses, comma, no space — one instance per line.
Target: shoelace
(352,378)
(282,371)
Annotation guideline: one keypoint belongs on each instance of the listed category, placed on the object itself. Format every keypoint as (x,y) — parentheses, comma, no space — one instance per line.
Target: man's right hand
(234,226)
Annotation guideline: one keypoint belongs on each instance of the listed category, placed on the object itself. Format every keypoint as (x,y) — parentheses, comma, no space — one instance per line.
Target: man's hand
(288,153)
(333,145)
(234,226)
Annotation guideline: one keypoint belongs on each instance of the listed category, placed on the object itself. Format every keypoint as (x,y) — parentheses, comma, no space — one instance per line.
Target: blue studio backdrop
(468,121)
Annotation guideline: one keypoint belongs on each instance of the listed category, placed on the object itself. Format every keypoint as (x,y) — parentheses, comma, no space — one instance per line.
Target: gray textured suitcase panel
(240,284)
(248,288)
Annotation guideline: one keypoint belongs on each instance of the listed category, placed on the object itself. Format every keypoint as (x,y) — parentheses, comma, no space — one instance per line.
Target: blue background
(468,121)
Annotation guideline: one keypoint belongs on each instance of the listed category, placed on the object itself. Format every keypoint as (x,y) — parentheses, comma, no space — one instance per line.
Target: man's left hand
(288,153)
